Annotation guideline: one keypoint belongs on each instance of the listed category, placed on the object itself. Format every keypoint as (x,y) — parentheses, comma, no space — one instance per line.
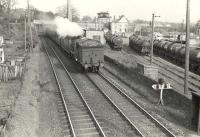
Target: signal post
(161,86)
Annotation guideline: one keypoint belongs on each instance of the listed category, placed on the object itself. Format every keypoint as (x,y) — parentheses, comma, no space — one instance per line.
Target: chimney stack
(69,13)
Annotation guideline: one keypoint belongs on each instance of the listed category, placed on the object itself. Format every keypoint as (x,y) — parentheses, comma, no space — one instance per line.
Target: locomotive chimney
(69,13)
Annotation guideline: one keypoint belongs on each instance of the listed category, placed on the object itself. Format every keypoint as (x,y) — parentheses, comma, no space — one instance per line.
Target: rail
(61,92)
(117,108)
(80,94)
(121,91)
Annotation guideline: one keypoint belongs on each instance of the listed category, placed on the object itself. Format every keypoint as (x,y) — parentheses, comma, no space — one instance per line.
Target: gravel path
(35,113)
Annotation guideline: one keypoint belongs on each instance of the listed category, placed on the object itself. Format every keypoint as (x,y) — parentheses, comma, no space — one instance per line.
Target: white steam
(66,28)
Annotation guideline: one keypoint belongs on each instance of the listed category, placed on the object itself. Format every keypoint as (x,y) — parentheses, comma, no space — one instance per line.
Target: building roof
(120,19)
(103,12)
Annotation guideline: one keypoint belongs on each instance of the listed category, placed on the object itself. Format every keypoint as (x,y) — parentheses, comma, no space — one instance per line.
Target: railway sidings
(170,72)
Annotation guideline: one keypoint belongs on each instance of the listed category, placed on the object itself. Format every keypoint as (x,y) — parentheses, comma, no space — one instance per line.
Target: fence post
(6,73)
(21,71)
(15,71)
(1,73)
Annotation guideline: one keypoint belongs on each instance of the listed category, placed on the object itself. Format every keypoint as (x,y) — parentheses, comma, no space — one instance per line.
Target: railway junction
(58,79)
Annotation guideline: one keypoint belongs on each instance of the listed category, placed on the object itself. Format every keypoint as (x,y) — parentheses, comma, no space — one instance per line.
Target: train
(114,41)
(87,52)
(172,51)
(139,44)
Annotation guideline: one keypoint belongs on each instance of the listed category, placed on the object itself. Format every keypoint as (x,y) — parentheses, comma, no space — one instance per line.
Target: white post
(2,55)
(161,97)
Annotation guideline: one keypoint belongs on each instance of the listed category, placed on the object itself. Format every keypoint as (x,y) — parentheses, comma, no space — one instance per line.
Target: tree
(75,15)
(62,11)
(5,8)
(86,18)
(6,5)
(197,27)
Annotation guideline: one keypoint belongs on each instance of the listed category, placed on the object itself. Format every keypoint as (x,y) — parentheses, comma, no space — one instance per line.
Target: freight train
(115,42)
(172,51)
(139,44)
(88,53)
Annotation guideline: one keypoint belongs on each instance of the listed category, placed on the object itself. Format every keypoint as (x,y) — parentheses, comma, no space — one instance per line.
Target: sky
(169,10)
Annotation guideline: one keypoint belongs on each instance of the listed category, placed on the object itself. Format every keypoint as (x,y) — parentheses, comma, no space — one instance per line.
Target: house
(119,26)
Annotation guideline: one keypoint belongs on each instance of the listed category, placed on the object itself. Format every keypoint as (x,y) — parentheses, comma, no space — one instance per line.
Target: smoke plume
(66,28)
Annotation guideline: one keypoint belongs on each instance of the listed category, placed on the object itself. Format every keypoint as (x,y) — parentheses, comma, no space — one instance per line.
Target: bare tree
(197,26)
(5,9)
(86,18)
(7,5)
(62,11)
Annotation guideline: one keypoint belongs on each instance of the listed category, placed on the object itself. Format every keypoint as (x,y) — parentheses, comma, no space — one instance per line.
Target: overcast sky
(169,10)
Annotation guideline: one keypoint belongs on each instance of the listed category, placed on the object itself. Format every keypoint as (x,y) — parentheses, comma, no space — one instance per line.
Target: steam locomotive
(115,42)
(172,51)
(88,53)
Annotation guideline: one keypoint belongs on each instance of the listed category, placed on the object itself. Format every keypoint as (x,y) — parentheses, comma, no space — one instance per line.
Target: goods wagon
(172,51)
(140,45)
(88,53)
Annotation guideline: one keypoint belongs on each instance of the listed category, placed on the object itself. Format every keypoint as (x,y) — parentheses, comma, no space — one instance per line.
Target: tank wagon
(139,44)
(115,42)
(88,53)
(172,51)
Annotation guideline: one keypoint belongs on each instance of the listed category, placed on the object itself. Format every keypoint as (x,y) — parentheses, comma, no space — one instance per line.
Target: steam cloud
(66,28)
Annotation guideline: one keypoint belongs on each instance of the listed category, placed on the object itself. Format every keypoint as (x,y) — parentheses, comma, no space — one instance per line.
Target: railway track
(194,80)
(173,74)
(121,125)
(81,120)
(140,119)
(141,99)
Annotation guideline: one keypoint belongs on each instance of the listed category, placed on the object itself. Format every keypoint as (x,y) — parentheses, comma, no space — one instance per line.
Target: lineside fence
(12,71)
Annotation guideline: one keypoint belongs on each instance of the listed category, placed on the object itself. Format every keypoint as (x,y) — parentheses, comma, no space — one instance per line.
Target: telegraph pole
(29,22)
(69,13)
(152,32)
(25,31)
(187,50)
(152,39)
(9,3)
